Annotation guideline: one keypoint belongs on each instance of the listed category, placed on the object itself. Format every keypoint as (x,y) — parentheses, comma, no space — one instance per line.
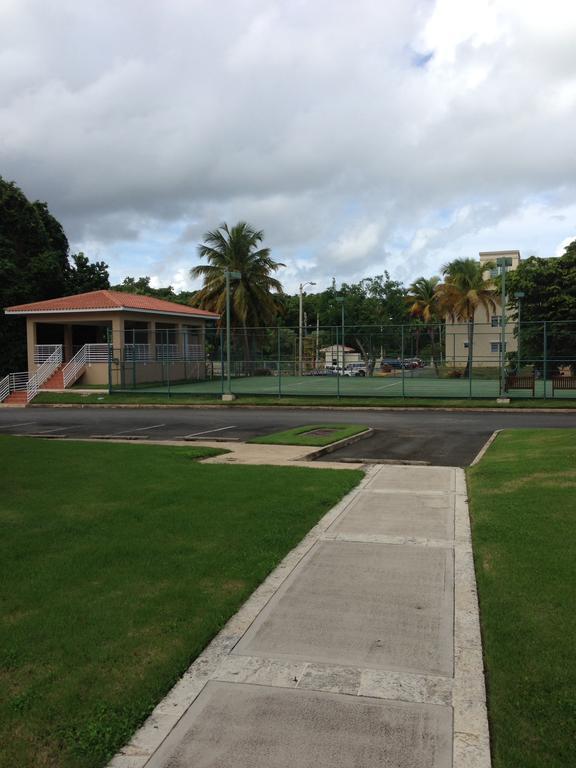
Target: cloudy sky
(360,136)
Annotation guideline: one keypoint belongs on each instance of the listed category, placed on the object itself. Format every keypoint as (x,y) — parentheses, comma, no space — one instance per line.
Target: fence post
(545,354)
(133,358)
(110,352)
(337,366)
(470,368)
(278,362)
(222,361)
(402,360)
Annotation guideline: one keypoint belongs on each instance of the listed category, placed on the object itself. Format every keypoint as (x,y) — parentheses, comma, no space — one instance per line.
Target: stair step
(16,398)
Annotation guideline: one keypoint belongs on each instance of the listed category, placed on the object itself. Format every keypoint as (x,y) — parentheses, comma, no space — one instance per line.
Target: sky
(360,137)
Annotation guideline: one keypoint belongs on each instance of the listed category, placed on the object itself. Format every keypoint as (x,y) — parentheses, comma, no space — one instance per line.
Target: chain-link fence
(447,360)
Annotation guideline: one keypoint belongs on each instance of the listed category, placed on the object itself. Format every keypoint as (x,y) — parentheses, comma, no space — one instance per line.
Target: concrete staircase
(15,399)
(56,381)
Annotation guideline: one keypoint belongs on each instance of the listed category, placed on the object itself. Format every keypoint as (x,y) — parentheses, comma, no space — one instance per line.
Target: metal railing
(43,373)
(74,367)
(86,355)
(43,351)
(4,388)
(139,352)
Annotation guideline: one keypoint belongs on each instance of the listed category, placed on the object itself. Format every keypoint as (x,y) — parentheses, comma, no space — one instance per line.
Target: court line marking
(220,429)
(139,429)
(387,386)
(21,424)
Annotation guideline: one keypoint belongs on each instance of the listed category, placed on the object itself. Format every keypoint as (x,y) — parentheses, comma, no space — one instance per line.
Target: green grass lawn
(523,505)
(300,436)
(118,564)
(122,398)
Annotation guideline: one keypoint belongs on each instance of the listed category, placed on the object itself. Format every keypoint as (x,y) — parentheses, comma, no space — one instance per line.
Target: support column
(31,343)
(68,350)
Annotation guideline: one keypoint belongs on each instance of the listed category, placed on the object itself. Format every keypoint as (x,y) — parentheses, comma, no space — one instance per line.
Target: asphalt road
(447,438)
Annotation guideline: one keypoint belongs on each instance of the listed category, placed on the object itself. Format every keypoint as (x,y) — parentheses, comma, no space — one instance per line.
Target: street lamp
(519,295)
(340,300)
(229,275)
(300,325)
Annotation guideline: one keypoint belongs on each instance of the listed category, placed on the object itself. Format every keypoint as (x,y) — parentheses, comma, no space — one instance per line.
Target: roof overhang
(108,309)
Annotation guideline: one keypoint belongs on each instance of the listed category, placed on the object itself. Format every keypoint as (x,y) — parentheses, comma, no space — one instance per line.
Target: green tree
(254,297)
(423,303)
(33,266)
(84,276)
(549,287)
(464,291)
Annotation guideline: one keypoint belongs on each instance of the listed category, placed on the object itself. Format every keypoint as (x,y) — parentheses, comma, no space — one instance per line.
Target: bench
(563,382)
(513,381)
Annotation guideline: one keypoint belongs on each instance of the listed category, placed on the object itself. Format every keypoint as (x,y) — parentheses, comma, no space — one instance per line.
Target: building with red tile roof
(116,331)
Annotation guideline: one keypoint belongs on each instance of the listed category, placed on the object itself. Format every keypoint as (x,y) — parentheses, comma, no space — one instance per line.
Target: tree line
(36,264)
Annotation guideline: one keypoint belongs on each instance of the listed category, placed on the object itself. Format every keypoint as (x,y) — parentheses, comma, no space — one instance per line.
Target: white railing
(43,351)
(96,353)
(86,355)
(139,352)
(4,388)
(74,367)
(42,374)
(168,352)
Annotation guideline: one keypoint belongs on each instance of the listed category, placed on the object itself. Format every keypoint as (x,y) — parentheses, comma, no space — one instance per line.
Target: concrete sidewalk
(361,649)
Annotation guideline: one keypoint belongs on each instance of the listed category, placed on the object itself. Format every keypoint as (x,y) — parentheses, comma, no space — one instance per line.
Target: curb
(485,447)
(336,408)
(340,444)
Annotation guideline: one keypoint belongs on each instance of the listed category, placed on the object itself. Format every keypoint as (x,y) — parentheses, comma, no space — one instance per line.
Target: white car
(356,369)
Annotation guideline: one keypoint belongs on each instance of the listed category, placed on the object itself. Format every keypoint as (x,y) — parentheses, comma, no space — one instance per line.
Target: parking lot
(445,438)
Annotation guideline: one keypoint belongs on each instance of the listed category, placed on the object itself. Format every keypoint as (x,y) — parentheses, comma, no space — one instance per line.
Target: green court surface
(411,385)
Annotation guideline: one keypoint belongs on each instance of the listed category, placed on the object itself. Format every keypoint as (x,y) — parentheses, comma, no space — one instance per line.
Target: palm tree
(254,297)
(423,303)
(465,289)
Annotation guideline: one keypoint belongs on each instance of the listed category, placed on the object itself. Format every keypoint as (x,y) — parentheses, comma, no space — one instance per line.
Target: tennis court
(416,385)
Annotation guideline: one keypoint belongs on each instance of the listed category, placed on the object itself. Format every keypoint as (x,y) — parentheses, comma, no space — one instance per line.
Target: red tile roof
(107,301)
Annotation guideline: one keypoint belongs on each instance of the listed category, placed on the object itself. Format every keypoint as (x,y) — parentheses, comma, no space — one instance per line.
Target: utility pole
(519,295)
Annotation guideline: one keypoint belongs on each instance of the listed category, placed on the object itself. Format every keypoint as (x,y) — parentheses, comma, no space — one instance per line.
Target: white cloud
(360,137)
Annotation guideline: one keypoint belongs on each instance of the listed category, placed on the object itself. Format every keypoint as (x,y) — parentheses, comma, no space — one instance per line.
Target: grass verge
(118,565)
(75,398)
(523,501)
(301,436)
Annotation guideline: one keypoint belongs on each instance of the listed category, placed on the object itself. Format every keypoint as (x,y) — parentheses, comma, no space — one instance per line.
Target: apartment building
(487,340)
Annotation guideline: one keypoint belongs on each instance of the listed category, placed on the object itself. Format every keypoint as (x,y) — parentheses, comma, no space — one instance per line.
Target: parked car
(356,369)
(334,370)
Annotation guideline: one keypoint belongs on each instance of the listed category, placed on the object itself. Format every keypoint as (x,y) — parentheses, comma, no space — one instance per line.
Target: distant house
(487,331)
(336,354)
(82,335)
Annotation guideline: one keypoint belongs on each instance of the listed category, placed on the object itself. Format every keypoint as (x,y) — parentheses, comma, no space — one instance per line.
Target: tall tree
(254,296)
(423,302)
(84,276)
(464,291)
(33,266)
(549,288)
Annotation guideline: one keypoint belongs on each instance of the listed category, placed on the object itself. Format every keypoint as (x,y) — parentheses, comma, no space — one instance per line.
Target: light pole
(340,300)
(229,275)
(519,295)
(300,326)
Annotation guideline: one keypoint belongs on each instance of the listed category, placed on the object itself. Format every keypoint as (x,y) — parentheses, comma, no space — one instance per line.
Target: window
(496,321)
(496,346)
